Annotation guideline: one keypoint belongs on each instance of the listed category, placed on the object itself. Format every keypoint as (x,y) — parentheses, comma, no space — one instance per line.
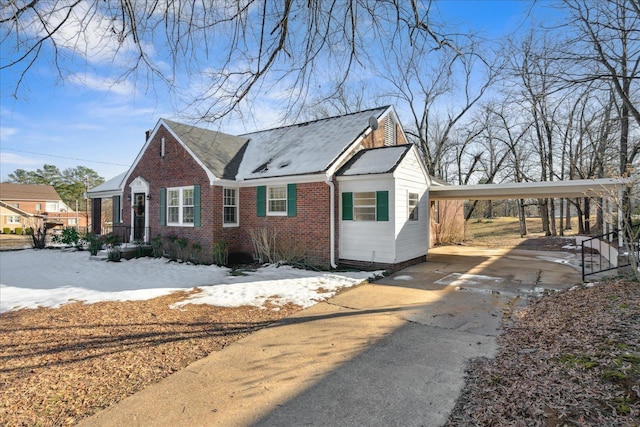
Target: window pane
(172,214)
(364,199)
(173,198)
(229,215)
(229,197)
(187,197)
(367,213)
(277,192)
(187,214)
(413,206)
(277,205)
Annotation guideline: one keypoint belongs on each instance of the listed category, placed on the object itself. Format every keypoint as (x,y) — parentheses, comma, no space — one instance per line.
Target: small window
(364,206)
(38,207)
(13,219)
(230,206)
(52,207)
(14,205)
(413,206)
(72,221)
(277,200)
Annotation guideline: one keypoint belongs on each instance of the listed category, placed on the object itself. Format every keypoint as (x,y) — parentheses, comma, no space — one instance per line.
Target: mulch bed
(568,359)
(58,366)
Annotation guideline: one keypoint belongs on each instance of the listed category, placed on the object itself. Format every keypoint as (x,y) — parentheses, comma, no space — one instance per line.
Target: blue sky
(94,122)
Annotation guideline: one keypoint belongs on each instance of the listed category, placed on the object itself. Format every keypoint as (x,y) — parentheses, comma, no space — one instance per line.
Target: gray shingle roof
(304,148)
(375,161)
(221,153)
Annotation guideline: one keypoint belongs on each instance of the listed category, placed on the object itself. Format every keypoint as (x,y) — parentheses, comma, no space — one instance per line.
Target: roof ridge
(384,107)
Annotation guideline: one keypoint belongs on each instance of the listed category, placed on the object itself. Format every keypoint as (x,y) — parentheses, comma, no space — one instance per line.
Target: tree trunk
(523,219)
(544,215)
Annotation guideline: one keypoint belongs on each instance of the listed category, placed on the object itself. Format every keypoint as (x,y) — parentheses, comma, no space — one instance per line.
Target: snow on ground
(49,278)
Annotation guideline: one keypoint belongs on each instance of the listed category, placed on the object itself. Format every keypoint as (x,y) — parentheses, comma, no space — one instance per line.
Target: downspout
(332,221)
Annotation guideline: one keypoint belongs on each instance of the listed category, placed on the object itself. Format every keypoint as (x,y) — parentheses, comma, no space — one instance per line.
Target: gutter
(332,221)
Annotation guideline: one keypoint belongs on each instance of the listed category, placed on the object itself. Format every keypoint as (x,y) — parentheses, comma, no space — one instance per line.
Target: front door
(138,216)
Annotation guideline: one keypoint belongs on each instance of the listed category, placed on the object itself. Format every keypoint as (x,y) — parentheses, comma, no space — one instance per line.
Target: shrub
(6,230)
(19,231)
(69,237)
(181,245)
(95,243)
(221,253)
(269,247)
(156,246)
(28,231)
(114,253)
(39,238)
(196,252)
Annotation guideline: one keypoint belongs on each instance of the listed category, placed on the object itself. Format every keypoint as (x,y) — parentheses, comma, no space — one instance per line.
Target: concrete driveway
(388,353)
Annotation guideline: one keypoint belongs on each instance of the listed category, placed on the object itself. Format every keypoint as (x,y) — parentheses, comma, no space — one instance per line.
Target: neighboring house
(343,190)
(23,202)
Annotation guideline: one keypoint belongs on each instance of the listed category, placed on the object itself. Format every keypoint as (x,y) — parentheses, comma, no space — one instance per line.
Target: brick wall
(376,138)
(176,169)
(309,229)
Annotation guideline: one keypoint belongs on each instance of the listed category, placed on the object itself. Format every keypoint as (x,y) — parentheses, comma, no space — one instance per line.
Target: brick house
(345,190)
(21,203)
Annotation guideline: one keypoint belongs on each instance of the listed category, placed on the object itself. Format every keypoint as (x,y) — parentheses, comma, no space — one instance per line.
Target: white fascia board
(161,122)
(104,194)
(418,157)
(279,180)
(371,177)
(528,190)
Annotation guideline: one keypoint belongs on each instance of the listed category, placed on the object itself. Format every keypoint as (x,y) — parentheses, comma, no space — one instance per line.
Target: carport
(608,188)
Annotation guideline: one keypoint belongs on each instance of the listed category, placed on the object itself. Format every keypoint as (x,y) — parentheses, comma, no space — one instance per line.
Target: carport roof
(529,190)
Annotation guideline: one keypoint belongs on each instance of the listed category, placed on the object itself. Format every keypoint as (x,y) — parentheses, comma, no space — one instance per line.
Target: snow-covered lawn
(48,278)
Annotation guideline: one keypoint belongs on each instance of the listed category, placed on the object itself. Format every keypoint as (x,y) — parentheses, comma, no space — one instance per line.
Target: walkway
(388,353)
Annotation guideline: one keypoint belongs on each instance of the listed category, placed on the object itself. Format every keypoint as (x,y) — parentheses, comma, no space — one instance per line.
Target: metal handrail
(610,237)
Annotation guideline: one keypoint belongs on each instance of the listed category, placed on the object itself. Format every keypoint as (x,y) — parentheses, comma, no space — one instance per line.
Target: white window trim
(286,205)
(237,206)
(374,206)
(181,207)
(13,219)
(409,207)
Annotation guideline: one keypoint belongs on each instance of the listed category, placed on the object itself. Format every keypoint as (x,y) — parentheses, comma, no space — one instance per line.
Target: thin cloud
(94,82)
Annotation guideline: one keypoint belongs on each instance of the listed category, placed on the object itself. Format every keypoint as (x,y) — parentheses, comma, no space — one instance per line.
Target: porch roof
(112,187)
(530,190)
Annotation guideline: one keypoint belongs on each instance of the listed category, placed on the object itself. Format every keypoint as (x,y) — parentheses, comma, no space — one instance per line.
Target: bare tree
(225,51)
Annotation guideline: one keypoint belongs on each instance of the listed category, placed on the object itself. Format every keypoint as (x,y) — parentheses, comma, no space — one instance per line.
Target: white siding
(411,237)
(370,241)
(398,239)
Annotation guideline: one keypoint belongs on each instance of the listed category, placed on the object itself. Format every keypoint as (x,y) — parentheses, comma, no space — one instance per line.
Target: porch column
(96,216)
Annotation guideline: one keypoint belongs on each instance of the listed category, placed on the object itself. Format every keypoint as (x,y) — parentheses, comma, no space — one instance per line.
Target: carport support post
(96,216)
(620,213)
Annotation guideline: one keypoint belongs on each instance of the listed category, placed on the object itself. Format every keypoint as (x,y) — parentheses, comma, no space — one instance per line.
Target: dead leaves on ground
(571,358)
(60,365)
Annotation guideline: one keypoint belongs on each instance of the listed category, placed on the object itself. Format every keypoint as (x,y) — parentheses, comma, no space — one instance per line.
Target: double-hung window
(230,207)
(180,206)
(413,201)
(277,200)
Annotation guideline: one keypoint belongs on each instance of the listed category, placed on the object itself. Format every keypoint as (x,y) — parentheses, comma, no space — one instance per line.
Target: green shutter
(163,206)
(382,206)
(261,202)
(116,210)
(291,200)
(196,206)
(347,206)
